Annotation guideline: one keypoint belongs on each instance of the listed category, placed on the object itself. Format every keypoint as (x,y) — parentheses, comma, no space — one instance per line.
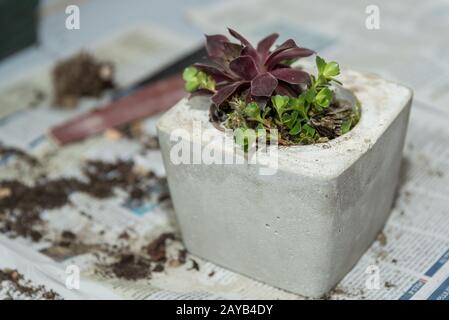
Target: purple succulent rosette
(256,88)
(254,73)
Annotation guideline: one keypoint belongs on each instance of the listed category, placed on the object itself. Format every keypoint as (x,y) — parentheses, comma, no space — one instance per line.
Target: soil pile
(81,76)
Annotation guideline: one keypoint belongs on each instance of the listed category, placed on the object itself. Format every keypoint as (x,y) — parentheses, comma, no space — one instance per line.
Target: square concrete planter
(303,228)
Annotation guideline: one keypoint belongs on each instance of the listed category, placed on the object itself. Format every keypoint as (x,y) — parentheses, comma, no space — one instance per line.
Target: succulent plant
(254,72)
(256,88)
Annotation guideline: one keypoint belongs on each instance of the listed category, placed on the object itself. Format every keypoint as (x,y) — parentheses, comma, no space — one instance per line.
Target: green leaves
(289,119)
(295,117)
(242,137)
(346,126)
(280,103)
(296,129)
(326,71)
(321,64)
(324,97)
(309,130)
(190,73)
(332,69)
(252,110)
(189,76)
(319,96)
(258,89)
(196,80)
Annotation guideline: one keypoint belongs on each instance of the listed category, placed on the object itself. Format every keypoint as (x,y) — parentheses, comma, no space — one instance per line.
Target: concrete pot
(303,228)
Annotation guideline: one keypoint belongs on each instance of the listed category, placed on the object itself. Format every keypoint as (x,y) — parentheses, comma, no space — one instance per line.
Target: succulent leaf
(225,92)
(214,45)
(263,85)
(290,75)
(245,67)
(264,45)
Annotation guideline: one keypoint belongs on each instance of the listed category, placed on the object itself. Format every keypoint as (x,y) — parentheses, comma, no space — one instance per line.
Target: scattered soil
(21,205)
(335,291)
(124,236)
(104,177)
(164,196)
(195,265)
(382,238)
(182,256)
(6,152)
(157,249)
(381,255)
(159,268)
(14,286)
(131,267)
(68,245)
(152,258)
(81,76)
(21,210)
(134,131)
(86,215)
(151,143)
(38,98)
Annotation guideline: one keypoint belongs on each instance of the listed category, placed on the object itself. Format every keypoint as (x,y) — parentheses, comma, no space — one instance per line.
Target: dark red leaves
(201,93)
(231,50)
(290,75)
(225,92)
(264,46)
(215,72)
(287,54)
(214,45)
(245,67)
(288,44)
(284,89)
(254,74)
(239,37)
(263,85)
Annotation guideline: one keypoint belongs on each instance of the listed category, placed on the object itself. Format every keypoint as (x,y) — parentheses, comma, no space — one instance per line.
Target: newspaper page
(111,242)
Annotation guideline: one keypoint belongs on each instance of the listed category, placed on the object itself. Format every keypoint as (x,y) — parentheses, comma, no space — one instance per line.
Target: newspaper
(409,260)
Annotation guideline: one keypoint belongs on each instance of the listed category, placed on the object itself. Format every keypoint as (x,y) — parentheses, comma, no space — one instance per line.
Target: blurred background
(134,52)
